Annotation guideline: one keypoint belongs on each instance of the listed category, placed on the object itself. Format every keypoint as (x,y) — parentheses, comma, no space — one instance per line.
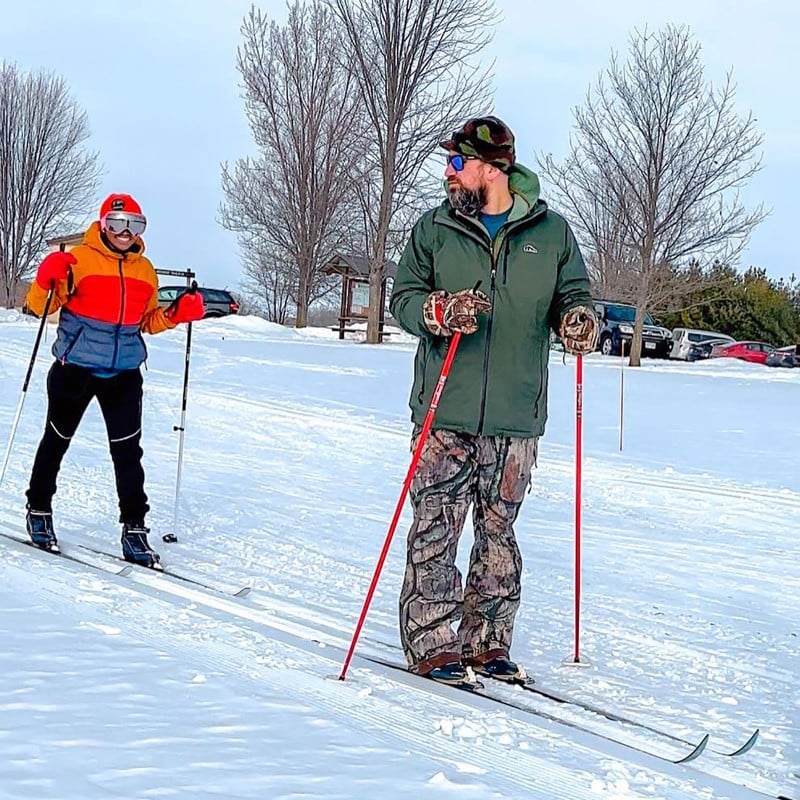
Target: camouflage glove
(433,313)
(444,314)
(462,308)
(579,330)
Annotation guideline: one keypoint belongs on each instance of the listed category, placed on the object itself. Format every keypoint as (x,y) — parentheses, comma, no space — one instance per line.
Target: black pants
(70,389)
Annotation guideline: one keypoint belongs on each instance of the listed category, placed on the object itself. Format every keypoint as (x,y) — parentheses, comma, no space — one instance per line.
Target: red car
(756,352)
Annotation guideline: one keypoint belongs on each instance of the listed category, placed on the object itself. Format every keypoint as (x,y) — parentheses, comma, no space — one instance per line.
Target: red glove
(186,308)
(54,268)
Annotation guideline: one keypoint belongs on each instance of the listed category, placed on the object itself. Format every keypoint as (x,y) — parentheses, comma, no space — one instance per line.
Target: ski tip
(125,571)
(701,745)
(748,745)
(243,592)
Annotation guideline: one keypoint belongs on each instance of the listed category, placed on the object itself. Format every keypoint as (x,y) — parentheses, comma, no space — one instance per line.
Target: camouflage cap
(487,138)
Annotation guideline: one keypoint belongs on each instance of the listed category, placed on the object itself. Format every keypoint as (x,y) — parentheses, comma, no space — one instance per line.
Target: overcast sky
(159,84)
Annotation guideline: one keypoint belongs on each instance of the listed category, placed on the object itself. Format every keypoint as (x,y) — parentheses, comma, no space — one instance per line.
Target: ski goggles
(119,221)
(457,161)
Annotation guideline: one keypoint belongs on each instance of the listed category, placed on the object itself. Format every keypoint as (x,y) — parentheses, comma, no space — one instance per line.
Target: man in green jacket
(494,231)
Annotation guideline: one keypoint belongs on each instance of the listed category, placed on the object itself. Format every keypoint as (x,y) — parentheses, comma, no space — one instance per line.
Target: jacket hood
(94,238)
(525,183)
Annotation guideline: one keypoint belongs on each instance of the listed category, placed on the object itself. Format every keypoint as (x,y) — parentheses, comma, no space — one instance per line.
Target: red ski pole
(423,436)
(576,657)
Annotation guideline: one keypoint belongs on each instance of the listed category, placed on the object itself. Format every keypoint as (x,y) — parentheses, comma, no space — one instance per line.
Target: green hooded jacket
(533,273)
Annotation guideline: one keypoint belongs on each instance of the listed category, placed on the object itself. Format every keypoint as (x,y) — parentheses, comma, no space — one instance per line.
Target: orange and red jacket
(106,304)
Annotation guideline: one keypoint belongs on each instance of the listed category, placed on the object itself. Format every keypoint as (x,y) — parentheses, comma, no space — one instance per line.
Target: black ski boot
(40,529)
(502,669)
(135,547)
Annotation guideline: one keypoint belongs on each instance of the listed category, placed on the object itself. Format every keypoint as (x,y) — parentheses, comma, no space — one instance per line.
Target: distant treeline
(747,306)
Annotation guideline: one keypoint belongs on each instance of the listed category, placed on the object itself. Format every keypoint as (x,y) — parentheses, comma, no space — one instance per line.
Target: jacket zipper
(486,244)
(485,380)
(121,312)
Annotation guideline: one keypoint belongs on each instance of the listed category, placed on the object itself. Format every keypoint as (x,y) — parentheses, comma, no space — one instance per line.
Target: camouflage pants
(456,470)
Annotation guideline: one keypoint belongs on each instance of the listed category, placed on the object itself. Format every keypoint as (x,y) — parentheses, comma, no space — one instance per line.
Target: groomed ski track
(290,647)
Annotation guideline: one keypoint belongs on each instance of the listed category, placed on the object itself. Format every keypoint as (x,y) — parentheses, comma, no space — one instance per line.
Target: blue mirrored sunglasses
(456,160)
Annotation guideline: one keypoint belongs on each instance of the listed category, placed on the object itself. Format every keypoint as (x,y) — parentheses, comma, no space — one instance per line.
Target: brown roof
(357,266)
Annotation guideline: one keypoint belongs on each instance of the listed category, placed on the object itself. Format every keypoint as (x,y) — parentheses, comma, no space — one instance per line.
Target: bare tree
(271,283)
(652,179)
(47,178)
(292,202)
(413,64)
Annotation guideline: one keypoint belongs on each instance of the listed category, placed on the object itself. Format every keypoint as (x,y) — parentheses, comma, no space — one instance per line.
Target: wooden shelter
(355,290)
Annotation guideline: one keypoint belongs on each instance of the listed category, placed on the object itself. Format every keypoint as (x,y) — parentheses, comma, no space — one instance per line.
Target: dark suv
(218,302)
(616,329)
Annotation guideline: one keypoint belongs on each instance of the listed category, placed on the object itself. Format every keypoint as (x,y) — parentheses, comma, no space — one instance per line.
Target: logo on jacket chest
(529,247)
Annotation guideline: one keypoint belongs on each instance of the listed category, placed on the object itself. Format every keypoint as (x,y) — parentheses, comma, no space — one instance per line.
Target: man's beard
(468,201)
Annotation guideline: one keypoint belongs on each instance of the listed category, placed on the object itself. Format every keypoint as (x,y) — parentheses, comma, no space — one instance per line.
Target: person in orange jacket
(107,291)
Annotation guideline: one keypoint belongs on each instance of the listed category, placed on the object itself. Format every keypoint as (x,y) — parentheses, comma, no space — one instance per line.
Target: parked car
(702,350)
(784,357)
(616,331)
(685,343)
(755,352)
(218,302)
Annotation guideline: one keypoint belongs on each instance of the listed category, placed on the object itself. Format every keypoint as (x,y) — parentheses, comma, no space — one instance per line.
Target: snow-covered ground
(296,448)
